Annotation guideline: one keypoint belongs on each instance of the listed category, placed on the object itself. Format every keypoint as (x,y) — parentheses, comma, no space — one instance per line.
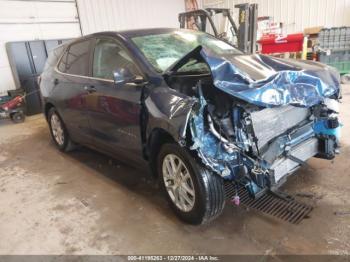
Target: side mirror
(124,76)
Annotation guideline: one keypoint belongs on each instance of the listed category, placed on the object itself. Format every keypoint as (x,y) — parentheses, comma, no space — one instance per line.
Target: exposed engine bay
(254,145)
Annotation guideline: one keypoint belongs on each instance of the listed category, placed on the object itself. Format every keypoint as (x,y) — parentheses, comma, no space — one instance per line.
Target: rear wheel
(58,132)
(195,194)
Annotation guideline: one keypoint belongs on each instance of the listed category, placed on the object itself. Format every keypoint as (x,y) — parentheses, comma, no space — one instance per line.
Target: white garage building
(26,20)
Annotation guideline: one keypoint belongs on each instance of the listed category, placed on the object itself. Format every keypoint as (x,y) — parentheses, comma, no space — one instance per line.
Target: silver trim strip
(86,77)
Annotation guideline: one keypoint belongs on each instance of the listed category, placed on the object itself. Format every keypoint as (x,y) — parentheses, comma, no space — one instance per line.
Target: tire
(60,137)
(208,201)
(18,117)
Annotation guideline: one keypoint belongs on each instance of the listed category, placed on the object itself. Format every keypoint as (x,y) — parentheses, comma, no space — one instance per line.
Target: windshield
(163,50)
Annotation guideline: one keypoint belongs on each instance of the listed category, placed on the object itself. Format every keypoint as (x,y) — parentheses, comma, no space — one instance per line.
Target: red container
(11,104)
(281,44)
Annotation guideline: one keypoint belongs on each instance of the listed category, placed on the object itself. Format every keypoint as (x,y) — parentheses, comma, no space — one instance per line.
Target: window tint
(76,59)
(110,56)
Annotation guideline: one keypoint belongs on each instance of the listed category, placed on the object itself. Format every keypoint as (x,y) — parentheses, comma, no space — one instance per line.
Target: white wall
(24,20)
(33,20)
(297,14)
(105,15)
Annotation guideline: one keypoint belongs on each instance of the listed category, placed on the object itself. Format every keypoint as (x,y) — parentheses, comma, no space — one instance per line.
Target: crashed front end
(262,131)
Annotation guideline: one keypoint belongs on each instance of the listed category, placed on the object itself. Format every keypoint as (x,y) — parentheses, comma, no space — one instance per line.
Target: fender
(168,110)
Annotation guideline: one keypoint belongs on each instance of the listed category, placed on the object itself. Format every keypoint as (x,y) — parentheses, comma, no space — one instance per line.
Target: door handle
(90,89)
(55,82)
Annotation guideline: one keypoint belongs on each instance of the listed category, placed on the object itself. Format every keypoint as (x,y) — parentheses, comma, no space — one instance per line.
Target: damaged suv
(197,111)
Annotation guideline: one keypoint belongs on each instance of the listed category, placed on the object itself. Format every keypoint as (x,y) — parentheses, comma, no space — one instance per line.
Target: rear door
(70,93)
(114,110)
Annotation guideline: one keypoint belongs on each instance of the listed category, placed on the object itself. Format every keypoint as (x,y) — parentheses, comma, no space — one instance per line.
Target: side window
(110,56)
(76,59)
(53,57)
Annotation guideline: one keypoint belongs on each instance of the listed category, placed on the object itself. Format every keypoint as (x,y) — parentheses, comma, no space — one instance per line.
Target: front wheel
(194,193)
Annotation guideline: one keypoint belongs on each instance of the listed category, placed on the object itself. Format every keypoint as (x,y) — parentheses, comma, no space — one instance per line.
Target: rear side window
(53,57)
(76,59)
(110,56)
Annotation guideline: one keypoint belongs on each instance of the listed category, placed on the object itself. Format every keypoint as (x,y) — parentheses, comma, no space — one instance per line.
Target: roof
(138,32)
(126,34)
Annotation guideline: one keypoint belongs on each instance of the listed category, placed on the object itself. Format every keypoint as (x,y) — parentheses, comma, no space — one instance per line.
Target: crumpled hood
(268,81)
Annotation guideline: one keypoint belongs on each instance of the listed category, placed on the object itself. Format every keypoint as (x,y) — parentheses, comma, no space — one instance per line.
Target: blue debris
(209,148)
(252,188)
(321,128)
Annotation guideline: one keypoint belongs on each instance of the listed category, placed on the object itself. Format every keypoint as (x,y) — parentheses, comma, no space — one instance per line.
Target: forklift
(242,36)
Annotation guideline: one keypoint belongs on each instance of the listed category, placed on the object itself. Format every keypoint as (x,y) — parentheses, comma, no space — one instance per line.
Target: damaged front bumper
(271,144)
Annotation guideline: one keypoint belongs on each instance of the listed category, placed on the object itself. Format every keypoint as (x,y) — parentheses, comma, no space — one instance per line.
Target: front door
(114,110)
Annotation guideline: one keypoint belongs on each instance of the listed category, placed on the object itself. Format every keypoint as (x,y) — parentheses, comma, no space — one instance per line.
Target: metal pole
(78,13)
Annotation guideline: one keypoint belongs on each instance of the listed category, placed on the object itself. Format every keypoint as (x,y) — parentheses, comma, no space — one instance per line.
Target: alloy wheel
(178,182)
(57,129)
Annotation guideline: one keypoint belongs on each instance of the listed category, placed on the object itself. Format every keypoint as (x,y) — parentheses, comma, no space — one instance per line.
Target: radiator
(285,166)
(270,123)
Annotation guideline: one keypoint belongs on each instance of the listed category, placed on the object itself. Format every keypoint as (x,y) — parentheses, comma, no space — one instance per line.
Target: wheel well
(157,138)
(48,106)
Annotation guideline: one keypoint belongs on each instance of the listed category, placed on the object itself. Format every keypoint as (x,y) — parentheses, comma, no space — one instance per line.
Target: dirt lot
(86,203)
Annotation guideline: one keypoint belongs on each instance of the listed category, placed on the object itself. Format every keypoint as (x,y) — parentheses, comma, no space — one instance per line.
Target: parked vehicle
(194,109)
(13,106)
